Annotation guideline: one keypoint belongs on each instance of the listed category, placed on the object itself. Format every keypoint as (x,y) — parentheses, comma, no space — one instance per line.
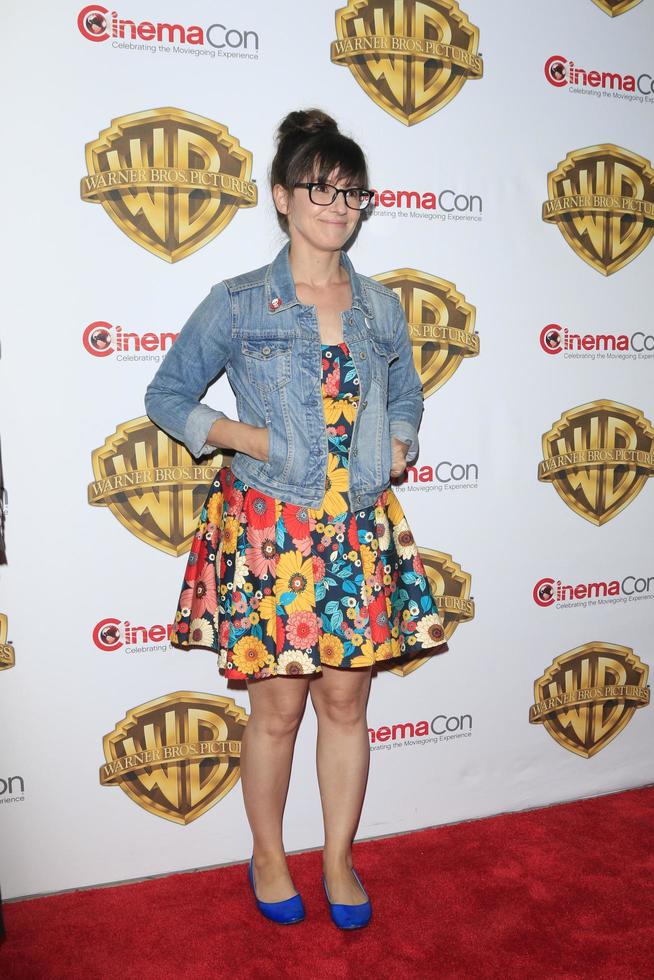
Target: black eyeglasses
(356,198)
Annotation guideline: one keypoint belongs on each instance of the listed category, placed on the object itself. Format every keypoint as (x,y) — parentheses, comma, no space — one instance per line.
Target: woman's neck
(315,268)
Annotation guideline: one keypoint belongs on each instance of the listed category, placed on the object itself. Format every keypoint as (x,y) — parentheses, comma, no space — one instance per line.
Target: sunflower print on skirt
(276,588)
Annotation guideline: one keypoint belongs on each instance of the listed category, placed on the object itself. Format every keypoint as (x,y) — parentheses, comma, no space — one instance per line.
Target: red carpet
(564,891)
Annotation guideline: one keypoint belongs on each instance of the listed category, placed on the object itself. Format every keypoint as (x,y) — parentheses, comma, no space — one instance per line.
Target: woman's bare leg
(339,698)
(276,708)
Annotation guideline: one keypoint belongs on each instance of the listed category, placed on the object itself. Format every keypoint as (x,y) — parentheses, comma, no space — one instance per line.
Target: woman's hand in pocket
(258,440)
(249,439)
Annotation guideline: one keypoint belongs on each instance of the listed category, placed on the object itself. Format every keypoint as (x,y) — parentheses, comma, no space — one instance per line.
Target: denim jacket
(268,342)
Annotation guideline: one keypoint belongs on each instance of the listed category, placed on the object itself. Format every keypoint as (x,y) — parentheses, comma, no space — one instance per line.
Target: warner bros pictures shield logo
(170,180)
(598,457)
(589,695)
(151,484)
(7,652)
(411,57)
(616,7)
(441,324)
(601,198)
(178,755)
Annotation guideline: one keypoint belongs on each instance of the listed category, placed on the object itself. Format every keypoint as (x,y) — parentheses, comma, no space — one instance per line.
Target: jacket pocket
(267,362)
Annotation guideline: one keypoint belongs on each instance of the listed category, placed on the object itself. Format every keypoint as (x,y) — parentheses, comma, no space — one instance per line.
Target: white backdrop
(73,566)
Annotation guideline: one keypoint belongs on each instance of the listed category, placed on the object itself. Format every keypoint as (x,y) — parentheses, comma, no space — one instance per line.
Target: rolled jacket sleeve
(405,398)
(201,351)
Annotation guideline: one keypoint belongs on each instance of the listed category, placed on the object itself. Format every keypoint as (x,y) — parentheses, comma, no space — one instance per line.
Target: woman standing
(303,572)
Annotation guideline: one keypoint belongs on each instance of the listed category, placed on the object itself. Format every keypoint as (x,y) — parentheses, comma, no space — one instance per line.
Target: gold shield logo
(589,695)
(151,484)
(7,653)
(598,456)
(178,755)
(616,7)
(441,324)
(169,179)
(410,56)
(451,589)
(602,199)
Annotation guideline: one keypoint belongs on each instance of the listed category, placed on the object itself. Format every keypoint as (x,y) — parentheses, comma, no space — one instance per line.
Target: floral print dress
(276,588)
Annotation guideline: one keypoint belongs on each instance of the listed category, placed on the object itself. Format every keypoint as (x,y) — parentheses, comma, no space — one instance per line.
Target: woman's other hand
(399,452)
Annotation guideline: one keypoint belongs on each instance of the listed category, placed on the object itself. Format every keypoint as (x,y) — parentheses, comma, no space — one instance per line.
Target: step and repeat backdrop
(511,148)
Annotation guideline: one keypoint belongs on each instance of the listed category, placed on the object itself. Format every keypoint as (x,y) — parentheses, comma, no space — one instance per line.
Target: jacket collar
(280,287)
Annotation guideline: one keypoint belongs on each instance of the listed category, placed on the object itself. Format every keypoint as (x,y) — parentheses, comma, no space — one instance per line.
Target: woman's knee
(343,706)
(278,716)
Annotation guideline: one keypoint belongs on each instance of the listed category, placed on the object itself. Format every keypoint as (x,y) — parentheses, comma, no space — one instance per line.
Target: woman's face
(326,228)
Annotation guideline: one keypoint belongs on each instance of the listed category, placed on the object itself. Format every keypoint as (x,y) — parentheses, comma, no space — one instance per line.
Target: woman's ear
(281,198)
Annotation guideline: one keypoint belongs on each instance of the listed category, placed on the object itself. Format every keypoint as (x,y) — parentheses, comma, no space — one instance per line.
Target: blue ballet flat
(349,916)
(285,912)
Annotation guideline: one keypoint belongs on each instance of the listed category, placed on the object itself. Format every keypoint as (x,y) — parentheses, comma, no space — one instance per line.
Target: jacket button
(364,404)
(265,350)
(362,355)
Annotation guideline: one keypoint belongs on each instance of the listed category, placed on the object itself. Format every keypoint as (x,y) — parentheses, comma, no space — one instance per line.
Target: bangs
(329,155)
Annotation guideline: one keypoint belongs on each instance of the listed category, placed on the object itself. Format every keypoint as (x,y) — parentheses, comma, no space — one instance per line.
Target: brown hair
(310,146)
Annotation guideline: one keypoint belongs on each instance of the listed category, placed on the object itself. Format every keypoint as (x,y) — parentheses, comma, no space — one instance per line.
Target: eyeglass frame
(309,185)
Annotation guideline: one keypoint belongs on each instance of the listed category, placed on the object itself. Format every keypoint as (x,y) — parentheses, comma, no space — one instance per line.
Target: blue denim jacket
(268,342)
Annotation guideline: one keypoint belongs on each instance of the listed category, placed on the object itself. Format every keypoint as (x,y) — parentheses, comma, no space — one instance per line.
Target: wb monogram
(602,199)
(441,324)
(589,695)
(151,484)
(178,755)
(410,56)
(598,456)
(169,179)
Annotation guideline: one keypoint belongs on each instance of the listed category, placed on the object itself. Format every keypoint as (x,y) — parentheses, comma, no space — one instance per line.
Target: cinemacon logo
(442,472)
(452,726)
(448,201)
(110,635)
(560,72)
(101,339)
(12,789)
(555,339)
(554,592)
(97,23)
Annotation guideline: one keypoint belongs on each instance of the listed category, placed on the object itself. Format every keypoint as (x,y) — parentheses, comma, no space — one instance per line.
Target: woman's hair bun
(306,122)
